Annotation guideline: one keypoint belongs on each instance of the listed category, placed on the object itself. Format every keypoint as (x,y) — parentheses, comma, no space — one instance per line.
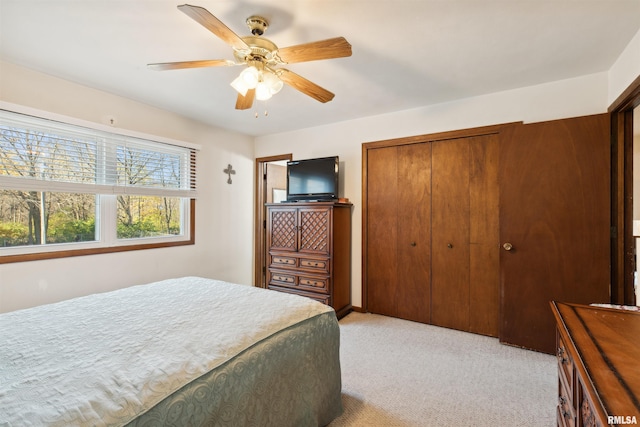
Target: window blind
(44,155)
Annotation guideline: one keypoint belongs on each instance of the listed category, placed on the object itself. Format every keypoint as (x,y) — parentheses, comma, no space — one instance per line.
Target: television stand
(309,251)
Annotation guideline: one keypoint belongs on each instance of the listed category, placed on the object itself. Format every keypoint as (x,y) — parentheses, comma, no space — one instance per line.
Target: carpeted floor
(401,373)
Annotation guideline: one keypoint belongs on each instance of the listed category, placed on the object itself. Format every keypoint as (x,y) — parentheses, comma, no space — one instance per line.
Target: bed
(186,352)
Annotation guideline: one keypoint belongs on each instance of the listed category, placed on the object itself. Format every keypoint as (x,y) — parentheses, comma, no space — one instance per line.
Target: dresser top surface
(607,341)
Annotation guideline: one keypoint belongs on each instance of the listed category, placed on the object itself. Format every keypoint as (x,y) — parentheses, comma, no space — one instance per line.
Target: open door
(271,180)
(625,208)
(554,224)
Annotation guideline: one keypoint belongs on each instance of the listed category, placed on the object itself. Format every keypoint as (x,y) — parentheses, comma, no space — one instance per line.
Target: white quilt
(106,358)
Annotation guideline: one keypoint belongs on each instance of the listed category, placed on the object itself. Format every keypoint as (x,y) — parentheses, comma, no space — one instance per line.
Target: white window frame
(106,220)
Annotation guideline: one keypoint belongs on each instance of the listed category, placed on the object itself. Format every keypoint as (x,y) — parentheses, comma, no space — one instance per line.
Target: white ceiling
(406,53)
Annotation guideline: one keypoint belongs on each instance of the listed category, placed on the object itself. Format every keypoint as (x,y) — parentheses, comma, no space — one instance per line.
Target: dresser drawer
(306,283)
(279,261)
(282,278)
(320,265)
(565,366)
(566,412)
(315,284)
(563,420)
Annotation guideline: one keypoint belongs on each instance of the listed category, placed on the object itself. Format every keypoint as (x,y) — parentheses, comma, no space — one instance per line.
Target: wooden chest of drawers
(598,356)
(310,251)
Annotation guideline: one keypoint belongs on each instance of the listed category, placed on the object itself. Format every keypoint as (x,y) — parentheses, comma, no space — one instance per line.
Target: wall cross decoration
(229,171)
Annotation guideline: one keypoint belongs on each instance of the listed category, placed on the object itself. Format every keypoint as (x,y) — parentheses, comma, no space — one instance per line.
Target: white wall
(569,98)
(625,70)
(224,213)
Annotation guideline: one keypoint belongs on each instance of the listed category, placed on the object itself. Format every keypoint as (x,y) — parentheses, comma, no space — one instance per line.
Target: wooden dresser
(309,251)
(598,365)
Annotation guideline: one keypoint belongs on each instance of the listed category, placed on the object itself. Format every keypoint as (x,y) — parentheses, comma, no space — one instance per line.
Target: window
(67,190)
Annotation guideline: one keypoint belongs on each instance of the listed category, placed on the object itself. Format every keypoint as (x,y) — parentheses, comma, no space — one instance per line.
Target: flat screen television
(312,179)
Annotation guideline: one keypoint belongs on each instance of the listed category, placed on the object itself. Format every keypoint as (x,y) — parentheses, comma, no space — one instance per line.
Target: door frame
(622,240)
(260,242)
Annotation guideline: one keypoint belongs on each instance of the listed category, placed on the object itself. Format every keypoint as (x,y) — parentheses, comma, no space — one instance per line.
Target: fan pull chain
(256,114)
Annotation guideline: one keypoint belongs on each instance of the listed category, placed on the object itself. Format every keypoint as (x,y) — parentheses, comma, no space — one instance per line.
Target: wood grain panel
(450,234)
(603,344)
(484,238)
(414,232)
(454,281)
(554,209)
(314,226)
(382,230)
(341,271)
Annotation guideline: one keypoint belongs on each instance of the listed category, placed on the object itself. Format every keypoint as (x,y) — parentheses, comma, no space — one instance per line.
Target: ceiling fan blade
(337,47)
(213,24)
(245,102)
(161,66)
(305,86)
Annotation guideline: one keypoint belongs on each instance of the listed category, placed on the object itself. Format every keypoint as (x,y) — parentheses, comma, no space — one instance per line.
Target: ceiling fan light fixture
(263,91)
(239,85)
(250,77)
(273,82)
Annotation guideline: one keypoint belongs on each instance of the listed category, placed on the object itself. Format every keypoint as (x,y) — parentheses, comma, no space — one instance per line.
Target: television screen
(312,179)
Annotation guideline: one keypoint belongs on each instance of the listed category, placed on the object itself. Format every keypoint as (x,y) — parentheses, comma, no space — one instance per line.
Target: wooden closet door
(484,236)
(450,234)
(465,271)
(414,232)
(554,212)
(398,231)
(382,230)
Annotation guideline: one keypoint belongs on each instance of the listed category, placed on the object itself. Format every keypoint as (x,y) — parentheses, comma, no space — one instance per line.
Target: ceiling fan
(263,76)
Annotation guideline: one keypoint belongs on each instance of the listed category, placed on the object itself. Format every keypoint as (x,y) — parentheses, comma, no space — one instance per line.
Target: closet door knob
(413,243)
(450,246)
(507,246)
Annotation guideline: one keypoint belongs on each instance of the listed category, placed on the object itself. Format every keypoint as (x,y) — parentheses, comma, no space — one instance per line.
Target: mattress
(187,351)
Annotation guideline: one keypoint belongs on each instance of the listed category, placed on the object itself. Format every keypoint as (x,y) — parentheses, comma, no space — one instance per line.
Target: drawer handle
(313,264)
(313,283)
(560,353)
